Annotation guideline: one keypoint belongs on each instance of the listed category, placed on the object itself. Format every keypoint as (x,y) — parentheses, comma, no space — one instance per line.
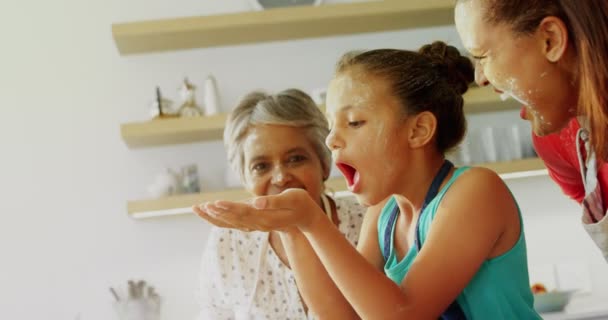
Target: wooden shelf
(187,130)
(180,204)
(279,24)
(481,100)
(168,131)
(516,168)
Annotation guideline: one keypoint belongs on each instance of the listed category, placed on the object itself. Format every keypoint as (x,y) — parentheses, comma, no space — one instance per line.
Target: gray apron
(595,217)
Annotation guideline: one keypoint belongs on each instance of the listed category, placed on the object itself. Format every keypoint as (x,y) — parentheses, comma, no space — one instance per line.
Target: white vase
(211,99)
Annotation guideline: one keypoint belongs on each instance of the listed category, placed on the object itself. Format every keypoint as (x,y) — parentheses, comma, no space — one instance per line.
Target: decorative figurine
(188,107)
(141,302)
(161,107)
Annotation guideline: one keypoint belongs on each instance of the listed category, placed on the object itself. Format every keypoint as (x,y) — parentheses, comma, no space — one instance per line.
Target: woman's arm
(318,290)
(368,238)
(365,286)
(321,294)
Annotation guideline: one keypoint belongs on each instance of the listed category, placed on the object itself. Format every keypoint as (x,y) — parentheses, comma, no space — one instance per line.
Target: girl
(448,242)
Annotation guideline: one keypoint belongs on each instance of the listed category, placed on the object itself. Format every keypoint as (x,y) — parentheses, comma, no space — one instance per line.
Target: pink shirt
(558,151)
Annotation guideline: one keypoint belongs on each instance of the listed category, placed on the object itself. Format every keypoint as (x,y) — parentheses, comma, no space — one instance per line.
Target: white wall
(558,244)
(66,175)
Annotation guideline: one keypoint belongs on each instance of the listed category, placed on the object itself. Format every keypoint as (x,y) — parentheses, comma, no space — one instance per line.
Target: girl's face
(281,157)
(367,139)
(518,66)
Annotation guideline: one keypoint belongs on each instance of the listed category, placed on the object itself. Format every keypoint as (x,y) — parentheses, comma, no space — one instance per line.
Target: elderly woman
(275,142)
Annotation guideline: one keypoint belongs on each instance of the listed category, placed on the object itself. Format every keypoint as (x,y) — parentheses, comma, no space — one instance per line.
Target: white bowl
(554,301)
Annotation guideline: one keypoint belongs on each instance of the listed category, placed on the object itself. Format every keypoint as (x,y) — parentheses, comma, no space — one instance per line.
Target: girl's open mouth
(350,173)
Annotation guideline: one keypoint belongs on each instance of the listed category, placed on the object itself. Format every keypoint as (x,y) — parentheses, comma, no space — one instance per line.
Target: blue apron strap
(388,231)
(444,171)
(454,311)
(430,195)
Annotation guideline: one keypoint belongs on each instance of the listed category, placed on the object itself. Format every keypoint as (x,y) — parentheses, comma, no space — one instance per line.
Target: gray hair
(291,107)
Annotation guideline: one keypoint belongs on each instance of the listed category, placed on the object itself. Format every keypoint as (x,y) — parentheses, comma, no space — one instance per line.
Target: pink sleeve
(558,151)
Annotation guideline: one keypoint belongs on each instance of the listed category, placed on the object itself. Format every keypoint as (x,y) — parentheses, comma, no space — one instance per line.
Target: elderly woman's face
(281,157)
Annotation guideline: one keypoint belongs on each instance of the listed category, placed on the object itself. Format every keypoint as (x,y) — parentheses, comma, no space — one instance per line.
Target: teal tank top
(501,287)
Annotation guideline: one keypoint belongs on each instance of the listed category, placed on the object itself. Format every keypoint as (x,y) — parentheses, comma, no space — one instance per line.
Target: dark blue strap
(454,311)
(386,252)
(443,172)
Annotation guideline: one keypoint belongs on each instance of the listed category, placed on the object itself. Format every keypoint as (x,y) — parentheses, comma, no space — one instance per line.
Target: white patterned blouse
(243,278)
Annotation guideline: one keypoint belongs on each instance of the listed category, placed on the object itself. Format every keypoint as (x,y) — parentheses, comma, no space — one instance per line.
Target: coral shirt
(558,151)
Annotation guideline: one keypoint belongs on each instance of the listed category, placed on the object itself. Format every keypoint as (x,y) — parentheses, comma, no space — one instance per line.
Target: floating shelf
(181,204)
(528,167)
(160,132)
(484,99)
(280,24)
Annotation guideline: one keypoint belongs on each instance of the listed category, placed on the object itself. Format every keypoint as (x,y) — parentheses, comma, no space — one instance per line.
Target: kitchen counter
(581,315)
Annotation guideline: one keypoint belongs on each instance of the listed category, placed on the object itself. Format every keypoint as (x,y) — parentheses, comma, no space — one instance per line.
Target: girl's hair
(587,23)
(432,79)
(290,107)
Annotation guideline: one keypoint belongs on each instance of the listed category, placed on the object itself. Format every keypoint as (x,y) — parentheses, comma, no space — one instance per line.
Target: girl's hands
(293,208)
